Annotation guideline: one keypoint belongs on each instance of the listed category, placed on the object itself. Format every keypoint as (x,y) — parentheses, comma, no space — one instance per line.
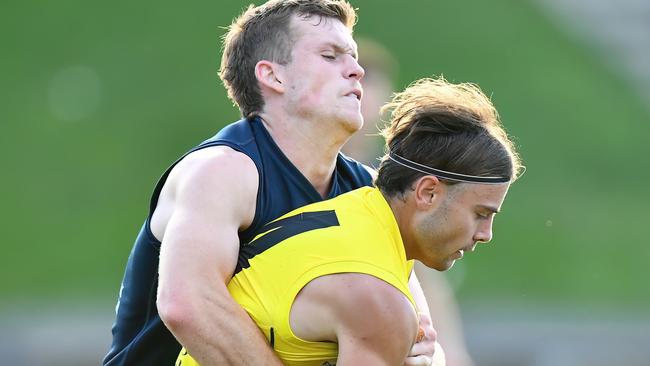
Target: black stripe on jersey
(280,230)
(272,339)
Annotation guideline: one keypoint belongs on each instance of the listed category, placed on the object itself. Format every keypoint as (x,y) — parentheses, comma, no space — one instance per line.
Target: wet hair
(450,127)
(264,33)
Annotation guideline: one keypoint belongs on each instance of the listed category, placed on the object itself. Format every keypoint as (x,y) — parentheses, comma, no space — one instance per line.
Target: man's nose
(355,71)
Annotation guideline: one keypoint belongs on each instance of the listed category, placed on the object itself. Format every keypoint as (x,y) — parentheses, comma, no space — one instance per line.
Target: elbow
(175,309)
(172,313)
(184,309)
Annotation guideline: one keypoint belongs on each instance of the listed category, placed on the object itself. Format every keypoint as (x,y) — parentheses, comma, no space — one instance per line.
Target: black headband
(445,174)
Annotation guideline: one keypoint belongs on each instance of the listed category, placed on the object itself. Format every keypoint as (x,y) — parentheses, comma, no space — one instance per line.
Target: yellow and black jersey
(354,232)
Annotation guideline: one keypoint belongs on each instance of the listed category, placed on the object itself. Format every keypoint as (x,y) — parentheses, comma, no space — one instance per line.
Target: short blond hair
(264,33)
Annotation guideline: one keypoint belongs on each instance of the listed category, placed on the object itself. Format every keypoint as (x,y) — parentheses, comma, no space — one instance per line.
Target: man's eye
(329,57)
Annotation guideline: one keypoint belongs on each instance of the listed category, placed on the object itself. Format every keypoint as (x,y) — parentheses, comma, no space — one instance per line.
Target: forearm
(418,295)
(445,314)
(220,332)
(423,350)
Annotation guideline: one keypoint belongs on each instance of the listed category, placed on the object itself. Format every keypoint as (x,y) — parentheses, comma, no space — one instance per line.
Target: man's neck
(403,213)
(312,151)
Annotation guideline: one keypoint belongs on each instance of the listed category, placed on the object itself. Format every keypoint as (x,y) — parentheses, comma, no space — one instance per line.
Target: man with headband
(328,283)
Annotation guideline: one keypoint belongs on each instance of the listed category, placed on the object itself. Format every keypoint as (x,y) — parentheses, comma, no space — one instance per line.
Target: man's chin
(446,265)
(441,266)
(354,123)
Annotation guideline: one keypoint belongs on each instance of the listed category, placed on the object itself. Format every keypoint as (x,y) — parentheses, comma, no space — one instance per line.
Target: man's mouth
(355,93)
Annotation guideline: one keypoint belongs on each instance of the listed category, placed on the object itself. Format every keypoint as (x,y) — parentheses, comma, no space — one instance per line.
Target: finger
(420,360)
(439,358)
(422,348)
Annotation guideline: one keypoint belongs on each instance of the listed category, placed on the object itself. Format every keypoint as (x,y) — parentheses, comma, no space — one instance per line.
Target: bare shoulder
(369,318)
(209,179)
(216,164)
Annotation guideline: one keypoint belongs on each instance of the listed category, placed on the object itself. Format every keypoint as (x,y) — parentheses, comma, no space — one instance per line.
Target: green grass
(76,192)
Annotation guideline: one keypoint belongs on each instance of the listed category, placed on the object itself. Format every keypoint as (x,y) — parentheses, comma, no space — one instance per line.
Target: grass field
(99,98)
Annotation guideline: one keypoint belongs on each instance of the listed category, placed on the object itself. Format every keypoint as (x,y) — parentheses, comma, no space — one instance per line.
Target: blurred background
(98,98)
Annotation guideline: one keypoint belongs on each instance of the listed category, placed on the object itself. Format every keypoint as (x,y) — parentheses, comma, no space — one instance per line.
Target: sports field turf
(99,98)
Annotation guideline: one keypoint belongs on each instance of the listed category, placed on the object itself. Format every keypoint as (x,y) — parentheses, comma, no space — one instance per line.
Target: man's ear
(428,190)
(267,74)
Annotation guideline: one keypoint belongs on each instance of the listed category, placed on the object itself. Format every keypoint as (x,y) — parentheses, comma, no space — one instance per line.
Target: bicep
(376,323)
(418,295)
(215,196)
(195,247)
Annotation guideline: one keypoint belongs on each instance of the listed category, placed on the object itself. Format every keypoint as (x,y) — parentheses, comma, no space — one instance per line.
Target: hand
(425,350)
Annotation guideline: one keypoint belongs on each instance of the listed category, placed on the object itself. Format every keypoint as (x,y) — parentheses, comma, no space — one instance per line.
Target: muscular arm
(424,350)
(372,321)
(445,314)
(209,196)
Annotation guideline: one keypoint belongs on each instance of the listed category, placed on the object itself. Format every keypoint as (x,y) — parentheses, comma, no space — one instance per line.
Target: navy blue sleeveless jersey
(139,336)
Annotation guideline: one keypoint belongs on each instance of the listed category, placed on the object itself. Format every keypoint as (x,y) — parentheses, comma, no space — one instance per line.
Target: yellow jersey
(354,232)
